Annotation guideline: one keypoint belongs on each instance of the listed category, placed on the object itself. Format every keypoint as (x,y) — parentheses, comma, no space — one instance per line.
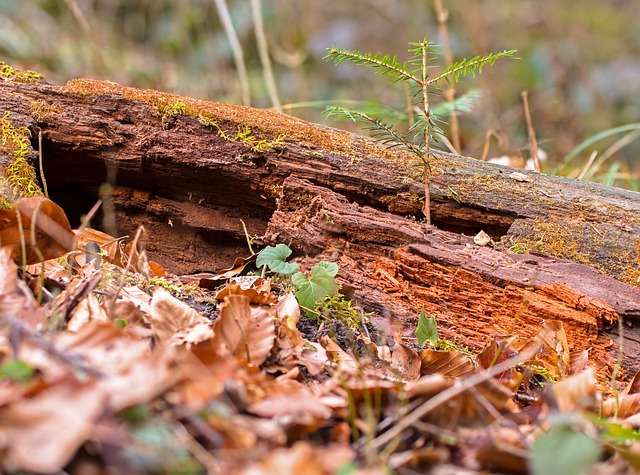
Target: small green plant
(320,285)
(309,290)
(418,137)
(338,308)
(427,331)
(16,370)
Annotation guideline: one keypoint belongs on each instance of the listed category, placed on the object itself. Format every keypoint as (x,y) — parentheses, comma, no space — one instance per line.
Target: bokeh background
(579,62)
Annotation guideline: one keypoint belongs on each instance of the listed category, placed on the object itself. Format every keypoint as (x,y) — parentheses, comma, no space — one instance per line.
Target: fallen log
(190,171)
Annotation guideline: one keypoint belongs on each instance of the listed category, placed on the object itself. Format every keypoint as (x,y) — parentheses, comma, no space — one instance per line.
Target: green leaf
(330,267)
(427,329)
(563,451)
(275,258)
(16,370)
(321,285)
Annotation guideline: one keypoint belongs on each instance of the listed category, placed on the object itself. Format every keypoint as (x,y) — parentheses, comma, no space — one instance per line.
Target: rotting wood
(396,268)
(189,169)
(92,128)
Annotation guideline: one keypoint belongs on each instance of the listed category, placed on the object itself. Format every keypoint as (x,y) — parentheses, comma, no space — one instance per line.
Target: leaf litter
(109,362)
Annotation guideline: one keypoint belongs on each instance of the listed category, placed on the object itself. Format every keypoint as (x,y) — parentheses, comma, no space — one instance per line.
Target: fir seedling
(419,136)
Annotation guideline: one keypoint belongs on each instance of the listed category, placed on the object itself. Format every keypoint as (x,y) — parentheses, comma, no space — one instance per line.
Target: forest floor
(109,364)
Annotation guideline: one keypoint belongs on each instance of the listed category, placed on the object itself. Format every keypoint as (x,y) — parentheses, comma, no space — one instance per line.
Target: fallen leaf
(255,287)
(482,238)
(246,332)
(448,363)
(175,323)
(53,235)
(405,361)
(577,392)
(43,433)
(15,297)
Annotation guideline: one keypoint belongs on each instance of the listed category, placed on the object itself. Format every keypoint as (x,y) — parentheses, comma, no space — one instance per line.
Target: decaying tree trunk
(190,171)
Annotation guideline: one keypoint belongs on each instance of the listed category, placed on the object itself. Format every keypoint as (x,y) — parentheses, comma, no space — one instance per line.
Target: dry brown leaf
(88,309)
(53,235)
(175,323)
(299,407)
(131,372)
(301,458)
(156,269)
(287,310)
(42,433)
(428,385)
(15,297)
(554,354)
(577,392)
(246,332)
(405,361)
(627,403)
(255,287)
(205,373)
(345,362)
(111,246)
(78,289)
(209,281)
(132,305)
(448,363)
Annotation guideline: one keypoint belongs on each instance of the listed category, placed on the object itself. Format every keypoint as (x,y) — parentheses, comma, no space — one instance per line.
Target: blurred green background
(579,62)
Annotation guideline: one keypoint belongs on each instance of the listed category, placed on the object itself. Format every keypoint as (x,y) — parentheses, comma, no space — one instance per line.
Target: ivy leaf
(331,268)
(276,259)
(321,285)
(427,329)
(16,370)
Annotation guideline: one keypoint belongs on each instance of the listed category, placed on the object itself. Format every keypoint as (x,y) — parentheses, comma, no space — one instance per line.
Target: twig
(263,51)
(42,177)
(18,327)
(236,48)
(427,134)
(532,132)
(88,32)
(450,92)
(453,391)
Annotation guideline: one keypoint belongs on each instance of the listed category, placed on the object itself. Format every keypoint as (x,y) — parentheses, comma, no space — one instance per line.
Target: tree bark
(190,171)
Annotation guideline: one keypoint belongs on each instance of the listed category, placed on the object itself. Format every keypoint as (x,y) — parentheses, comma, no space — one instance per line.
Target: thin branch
(263,51)
(450,92)
(454,391)
(427,133)
(469,66)
(387,65)
(532,132)
(236,48)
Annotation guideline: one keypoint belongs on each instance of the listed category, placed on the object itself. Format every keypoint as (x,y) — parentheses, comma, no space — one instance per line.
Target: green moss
(175,109)
(268,129)
(41,109)
(18,176)
(540,370)
(336,307)
(447,345)
(8,73)
(557,239)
